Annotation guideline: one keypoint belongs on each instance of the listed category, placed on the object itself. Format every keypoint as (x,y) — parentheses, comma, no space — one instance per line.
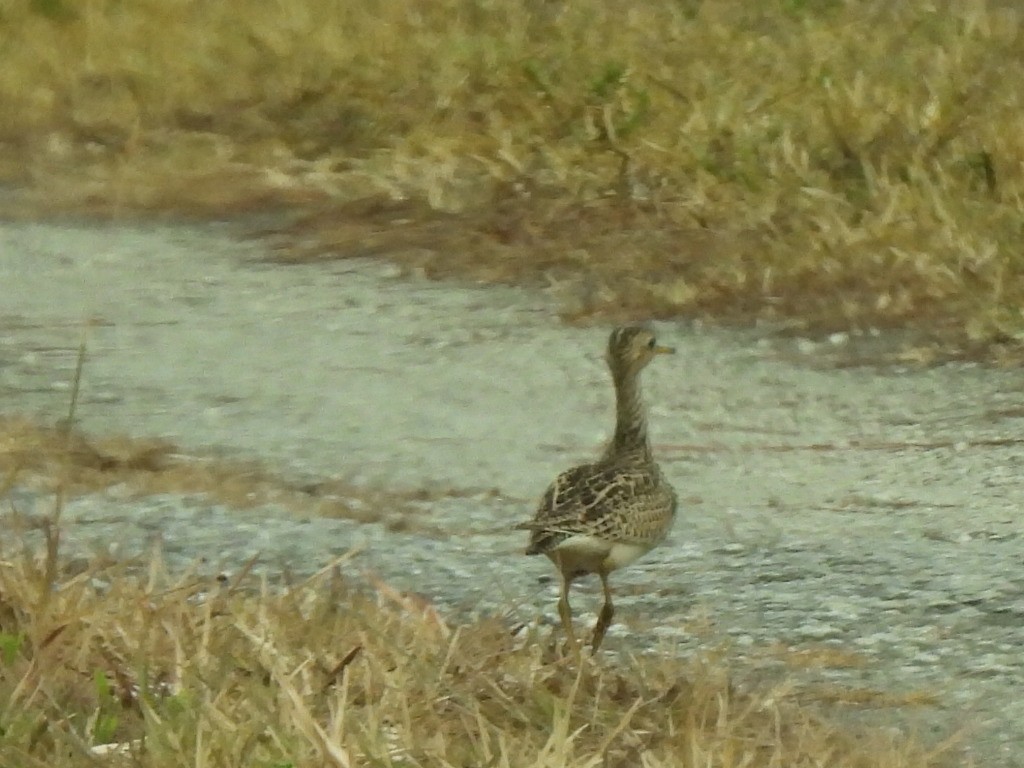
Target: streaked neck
(630,417)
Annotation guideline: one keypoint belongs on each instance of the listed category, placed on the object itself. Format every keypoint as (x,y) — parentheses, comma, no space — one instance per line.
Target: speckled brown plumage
(597,517)
(618,500)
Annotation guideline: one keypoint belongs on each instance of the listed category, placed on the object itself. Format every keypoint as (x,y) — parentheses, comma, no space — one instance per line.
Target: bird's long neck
(630,416)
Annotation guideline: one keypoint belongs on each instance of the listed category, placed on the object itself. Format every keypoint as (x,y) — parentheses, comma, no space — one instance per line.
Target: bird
(601,516)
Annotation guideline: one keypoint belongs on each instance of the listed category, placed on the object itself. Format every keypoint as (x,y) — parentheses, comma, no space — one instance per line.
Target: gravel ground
(865,510)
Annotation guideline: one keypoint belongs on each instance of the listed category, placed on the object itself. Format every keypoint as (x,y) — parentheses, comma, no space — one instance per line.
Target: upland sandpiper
(596,518)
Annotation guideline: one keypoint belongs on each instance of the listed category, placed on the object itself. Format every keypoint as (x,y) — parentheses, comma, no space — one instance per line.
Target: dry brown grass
(845,163)
(151,672)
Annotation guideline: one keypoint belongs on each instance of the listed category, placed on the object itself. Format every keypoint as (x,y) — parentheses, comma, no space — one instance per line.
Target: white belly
(591,554)
(622,555)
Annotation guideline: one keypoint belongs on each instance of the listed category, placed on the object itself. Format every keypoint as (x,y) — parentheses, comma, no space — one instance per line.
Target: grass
(147,670)
(823,164)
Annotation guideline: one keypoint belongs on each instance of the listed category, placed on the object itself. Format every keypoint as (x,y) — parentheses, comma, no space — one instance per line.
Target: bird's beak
(664,350)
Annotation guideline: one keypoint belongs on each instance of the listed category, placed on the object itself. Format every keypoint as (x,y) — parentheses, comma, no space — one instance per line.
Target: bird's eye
(650,344)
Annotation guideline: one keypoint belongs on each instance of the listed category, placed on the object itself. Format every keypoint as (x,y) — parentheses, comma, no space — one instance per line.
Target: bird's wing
(599,500)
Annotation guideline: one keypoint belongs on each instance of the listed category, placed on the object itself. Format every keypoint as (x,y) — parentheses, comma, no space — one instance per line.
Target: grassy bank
(102,667)
(837,164)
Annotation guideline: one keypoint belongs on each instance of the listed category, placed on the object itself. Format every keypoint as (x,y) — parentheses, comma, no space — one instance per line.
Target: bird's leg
(604,619)
(565,612)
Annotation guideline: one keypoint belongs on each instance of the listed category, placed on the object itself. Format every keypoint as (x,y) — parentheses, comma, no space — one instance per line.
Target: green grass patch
(847,166)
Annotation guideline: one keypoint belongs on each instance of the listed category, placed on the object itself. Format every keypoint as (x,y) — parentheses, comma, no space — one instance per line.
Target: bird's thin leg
(604,619)
(565,612)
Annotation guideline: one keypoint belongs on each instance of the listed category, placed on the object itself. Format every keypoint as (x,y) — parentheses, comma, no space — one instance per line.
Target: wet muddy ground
(864,516)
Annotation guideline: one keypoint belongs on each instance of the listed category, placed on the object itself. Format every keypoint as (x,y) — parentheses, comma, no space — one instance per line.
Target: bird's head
(632,347)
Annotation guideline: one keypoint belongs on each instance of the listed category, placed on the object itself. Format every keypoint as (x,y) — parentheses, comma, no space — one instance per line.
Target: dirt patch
(50,458)
(612,260)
